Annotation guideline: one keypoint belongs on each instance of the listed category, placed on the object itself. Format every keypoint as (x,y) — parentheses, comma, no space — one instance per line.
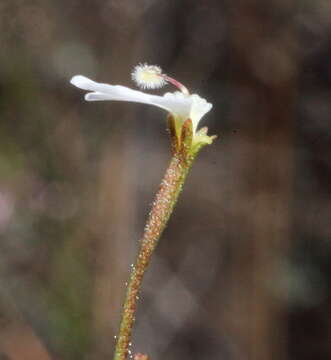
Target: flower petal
(199,108)
(110,92)
(97,96)
(176,103)
(181,106)
(83,82)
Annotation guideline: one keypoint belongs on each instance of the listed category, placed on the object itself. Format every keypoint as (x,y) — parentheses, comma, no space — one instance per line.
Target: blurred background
(243,269)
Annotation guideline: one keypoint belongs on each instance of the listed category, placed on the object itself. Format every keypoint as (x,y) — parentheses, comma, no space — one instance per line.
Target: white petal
(111,92)
(83,82)
(199,108)
(176,103)
(97,96)
(182,106)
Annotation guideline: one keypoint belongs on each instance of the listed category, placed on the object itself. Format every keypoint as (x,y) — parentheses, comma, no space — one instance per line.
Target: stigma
(151,77)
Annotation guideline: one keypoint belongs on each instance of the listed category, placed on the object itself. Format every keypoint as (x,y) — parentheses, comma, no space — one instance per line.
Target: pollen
(148,76)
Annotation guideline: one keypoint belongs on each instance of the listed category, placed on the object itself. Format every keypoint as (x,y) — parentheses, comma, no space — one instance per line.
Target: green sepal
(184,142)
(186,138)
(201,139)
(174,138)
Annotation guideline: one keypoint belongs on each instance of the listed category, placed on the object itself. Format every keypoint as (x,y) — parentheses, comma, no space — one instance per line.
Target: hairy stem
(162,208)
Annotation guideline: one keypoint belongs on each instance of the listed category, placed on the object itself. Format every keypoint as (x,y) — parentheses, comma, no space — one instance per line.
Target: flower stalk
(183,155)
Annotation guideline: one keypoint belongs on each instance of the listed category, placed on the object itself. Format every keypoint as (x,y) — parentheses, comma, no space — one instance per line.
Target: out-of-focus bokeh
(243,269)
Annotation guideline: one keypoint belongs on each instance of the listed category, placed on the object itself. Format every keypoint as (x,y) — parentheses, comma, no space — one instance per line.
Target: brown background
(243,269)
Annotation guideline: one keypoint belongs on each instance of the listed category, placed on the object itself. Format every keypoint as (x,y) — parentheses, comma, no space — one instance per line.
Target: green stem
(162,208)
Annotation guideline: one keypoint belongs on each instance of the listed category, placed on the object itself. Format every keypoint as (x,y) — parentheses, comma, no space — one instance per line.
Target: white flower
(181,106)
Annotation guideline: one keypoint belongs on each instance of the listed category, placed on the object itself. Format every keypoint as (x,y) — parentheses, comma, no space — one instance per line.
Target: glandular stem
(162,208)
